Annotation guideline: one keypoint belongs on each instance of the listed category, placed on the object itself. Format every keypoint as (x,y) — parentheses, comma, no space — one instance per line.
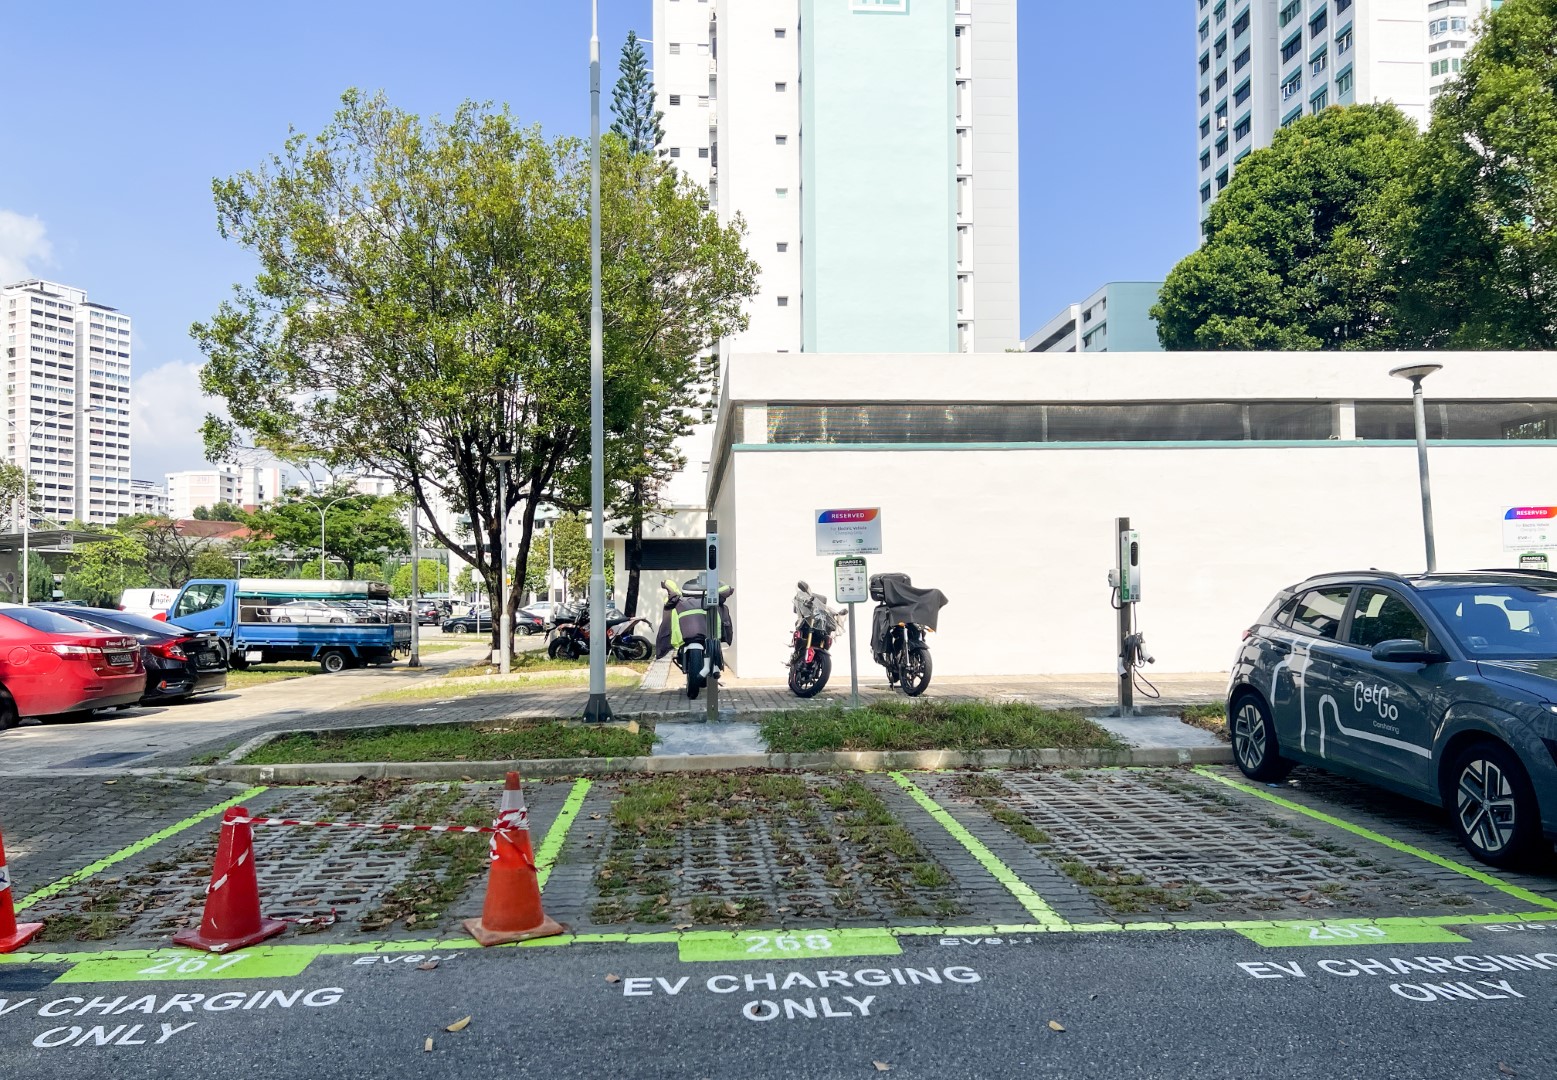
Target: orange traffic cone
(12,935)
(513,906)
(232,917)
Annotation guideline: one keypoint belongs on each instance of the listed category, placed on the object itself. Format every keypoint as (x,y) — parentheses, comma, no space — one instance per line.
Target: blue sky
(132,110)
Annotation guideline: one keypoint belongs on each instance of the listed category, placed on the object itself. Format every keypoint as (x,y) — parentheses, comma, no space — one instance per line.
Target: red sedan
(50,664)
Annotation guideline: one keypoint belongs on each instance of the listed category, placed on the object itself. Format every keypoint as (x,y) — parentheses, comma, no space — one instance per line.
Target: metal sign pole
(854,664)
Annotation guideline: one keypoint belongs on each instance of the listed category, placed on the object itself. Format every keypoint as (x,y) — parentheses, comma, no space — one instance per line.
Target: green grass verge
(448,692)
(933,725)
(504,741)
(539,661)
(259,676)
(1212,718)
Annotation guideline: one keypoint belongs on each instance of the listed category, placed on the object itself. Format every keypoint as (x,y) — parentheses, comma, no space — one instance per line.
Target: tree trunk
(634,557)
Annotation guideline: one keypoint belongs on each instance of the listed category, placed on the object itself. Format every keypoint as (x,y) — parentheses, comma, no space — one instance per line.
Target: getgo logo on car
(1377,696)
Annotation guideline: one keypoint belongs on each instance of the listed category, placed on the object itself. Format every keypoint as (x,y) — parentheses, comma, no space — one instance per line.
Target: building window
(675,48)
(702,151)
(1221,146)
(1343,41)
(1342,5)
(1205,29)
(1292,48)
(1241,94)
(1205,161)
(779,31)
(1221,180)
(1205,63)
(1220,11)
(1241,23)
(782,192)
(1318,63)
(1205,94)
(781,140)
(1241,130)
(1221,46)
(1205,193)
(1321,100)
(1291,11)
(779,88)
(675,151)
(702,101)
(783,245)
(1343,83)
(783,301)
(1317,24)
(1292,85)
(675,99)
(1221,79)
(1205,126)
(1242,59)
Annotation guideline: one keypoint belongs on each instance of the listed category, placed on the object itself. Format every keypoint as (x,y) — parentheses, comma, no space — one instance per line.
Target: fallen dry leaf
(881,1066)
(459,1025)
(684,926)
(613,978)
(594,817)
(427,1046)
(730,909)
(106,783)
(1055,1025)
(632,727)
(427,966)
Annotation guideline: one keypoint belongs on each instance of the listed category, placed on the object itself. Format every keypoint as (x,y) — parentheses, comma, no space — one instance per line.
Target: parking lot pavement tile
(341,882)
(1147,843)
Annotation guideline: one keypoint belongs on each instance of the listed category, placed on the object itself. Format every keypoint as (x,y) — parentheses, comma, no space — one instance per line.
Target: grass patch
(259,676)
(933,725)
(540,682)
(1212,718)
(539,661)
(431,650)
(503,741)
(444,864)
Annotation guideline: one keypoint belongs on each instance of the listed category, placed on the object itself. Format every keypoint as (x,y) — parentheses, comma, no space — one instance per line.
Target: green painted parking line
(134,849)
(265,962)
(798,945)
(1368,834)
(551,846)
(1042,912)
(1354,931)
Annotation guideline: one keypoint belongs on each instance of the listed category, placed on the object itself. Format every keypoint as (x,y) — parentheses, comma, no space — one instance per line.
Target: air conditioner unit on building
(1221,123)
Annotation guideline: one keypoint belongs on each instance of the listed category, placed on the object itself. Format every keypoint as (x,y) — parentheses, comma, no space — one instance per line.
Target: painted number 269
(1332,933)
(764,943)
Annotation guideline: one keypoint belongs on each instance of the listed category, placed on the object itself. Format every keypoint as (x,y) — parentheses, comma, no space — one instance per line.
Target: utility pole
(597,710)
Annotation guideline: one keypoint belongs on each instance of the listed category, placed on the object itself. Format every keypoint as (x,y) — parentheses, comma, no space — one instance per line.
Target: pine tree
(632,102)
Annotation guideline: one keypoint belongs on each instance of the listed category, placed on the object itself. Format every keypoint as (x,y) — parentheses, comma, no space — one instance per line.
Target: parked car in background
(473,621)
(528,622)
(1442,687)
(147,602)
(179,663)
(307,611)
(51,665)
(429,613)
(546,609)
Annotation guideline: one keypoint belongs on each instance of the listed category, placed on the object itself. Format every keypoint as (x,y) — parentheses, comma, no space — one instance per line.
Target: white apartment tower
(68,400)
(871,148)
(1261,64)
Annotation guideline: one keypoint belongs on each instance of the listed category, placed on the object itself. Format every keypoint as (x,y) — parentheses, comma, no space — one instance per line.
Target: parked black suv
(1442,687)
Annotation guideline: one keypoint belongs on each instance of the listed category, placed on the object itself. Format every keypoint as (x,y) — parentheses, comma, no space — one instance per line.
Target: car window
(1284,616)
(47,621)
(1500,622)
(1320,610)
(1383,616)
(198,598)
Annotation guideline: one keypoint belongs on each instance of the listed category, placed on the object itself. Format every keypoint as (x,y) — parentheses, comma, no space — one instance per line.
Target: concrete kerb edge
(862,761)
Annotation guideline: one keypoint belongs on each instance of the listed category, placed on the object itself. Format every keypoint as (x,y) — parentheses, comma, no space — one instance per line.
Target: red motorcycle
(809,663)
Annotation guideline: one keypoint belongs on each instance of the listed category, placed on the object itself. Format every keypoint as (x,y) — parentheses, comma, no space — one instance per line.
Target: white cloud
(24,246)
(167,409)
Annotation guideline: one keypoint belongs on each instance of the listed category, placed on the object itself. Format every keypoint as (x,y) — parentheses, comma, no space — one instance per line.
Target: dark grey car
(1442,687)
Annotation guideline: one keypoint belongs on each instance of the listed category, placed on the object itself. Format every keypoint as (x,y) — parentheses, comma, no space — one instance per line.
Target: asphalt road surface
(1148,1004)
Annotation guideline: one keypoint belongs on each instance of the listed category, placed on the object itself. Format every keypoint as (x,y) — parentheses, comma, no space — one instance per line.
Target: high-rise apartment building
(1116,318)
(147,497)
(1261,64)
(193,488)
(871,148)
(68,400)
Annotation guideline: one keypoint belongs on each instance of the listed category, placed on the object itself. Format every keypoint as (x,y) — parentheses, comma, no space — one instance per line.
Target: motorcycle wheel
(635,647)
(808,680)
(694,669)
(555,648)
(916,679)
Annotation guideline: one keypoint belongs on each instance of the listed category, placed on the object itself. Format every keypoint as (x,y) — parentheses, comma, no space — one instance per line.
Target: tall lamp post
(26,503)
(322,510)
(597,710)
(500,608)
(1415,373)
(547,516)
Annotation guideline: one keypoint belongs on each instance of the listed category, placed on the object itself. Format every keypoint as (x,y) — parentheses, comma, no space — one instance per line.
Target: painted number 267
(1332,933)
(764,943)
(178,965)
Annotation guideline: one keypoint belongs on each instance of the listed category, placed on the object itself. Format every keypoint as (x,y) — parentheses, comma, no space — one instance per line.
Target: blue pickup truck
(339,624)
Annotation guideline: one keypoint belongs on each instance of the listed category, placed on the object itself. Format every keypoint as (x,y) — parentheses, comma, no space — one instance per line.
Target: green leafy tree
(40,578)
(636,121)
(359,529)
(212,563)
(423,302)
(101,570)
(263,564)
(1480,243)
(1299,250)
(432,577)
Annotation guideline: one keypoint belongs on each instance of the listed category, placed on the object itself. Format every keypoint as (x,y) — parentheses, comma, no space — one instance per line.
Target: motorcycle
(809,661)
(570,636)
(903,616)
(693,633)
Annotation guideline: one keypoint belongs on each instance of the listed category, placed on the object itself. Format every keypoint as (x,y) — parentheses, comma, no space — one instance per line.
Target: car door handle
(221,622)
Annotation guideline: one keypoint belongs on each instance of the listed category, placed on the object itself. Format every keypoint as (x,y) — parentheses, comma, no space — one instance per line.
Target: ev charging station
(1125,579)
(711,605)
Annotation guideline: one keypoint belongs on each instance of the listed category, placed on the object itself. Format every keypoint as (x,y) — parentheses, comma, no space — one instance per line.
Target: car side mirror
(1405,651)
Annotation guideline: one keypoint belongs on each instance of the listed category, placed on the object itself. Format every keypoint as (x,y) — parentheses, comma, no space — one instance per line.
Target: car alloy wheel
(1485,803)
(1249,741)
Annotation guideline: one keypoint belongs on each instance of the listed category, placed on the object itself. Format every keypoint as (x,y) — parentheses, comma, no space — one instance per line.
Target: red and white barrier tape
(519,820)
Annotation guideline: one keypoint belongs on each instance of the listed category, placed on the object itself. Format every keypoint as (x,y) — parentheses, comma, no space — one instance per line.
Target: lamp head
(503,457)
(1414,372)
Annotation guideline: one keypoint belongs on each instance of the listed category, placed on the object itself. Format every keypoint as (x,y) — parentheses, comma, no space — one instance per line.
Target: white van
(148,602)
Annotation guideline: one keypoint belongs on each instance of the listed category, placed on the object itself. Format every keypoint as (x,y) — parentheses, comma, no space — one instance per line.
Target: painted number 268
(1332,933)
(763,943)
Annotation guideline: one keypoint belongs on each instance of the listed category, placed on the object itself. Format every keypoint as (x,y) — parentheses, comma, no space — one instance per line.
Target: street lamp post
(500,609)
(1415,373)
(322,510)
(597,710)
